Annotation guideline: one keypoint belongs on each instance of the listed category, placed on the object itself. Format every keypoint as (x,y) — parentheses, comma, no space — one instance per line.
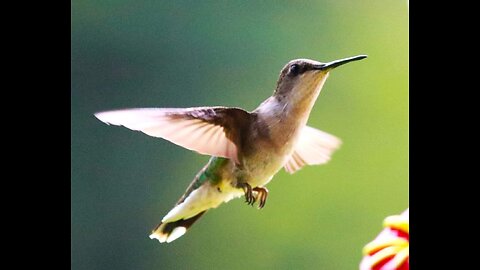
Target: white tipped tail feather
(167,236)
(187,212)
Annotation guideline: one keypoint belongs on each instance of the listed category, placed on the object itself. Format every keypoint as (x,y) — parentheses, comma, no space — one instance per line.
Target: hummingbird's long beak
(336,63)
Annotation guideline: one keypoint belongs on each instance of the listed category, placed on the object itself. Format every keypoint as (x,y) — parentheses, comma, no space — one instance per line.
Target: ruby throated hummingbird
(247,148)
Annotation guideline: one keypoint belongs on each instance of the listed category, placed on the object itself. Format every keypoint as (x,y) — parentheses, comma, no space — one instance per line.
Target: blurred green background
(194,53)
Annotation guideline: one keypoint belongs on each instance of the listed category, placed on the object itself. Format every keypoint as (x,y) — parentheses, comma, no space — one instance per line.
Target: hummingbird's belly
(269,157)
(260,170)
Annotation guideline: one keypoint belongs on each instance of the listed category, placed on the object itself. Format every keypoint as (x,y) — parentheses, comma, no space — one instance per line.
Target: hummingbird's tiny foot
(249,198)
(262,193)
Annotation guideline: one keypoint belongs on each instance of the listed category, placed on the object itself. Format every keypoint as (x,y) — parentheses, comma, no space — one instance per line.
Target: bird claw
(262,192)
(250,198)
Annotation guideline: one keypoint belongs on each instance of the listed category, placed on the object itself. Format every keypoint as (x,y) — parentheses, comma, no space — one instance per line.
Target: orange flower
(389,251)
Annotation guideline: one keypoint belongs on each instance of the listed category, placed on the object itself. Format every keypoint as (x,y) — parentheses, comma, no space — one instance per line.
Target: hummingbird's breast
(260,168)
(272,141)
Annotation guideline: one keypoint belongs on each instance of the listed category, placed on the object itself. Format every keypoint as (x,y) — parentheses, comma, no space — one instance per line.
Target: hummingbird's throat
(305,95)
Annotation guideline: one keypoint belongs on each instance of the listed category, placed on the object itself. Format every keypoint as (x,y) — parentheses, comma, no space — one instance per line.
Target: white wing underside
(314,147)
(193,134)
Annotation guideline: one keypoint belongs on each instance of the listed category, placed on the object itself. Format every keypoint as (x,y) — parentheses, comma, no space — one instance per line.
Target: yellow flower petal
(401,256)
(397,222)
(378,244)
(384,254)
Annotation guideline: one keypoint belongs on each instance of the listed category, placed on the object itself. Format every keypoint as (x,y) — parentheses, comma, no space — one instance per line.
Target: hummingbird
(247,148)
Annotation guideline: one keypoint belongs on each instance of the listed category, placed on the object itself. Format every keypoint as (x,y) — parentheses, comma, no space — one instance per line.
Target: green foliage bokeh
(197,53)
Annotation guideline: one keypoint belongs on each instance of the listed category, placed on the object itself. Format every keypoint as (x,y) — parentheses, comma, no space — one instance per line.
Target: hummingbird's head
(302,79)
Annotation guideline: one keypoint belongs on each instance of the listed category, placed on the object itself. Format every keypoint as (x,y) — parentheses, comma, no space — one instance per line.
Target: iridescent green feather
(210,172)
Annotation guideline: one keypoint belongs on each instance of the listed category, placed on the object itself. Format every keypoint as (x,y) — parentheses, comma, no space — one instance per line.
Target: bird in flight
(247,148)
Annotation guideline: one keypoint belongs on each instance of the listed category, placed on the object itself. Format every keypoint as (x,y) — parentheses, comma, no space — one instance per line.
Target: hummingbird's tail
(169,231)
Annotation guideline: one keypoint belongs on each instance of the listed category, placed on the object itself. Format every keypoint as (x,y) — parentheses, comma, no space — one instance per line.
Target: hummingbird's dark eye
(294,69)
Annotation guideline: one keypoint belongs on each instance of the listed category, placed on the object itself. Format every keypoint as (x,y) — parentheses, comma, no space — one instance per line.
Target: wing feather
(314,147)
(214,131)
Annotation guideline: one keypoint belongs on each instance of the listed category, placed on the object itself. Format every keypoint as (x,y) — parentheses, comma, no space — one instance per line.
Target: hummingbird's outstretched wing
(314,147)
(211,131)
